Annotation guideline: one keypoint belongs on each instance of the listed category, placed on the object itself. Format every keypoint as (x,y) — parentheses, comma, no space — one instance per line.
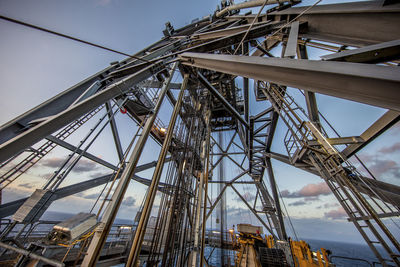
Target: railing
(119,237)
(350,259)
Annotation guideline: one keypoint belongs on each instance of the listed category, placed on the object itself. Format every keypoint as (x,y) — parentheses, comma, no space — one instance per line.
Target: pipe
(152,190)
(100,236)
(247,4)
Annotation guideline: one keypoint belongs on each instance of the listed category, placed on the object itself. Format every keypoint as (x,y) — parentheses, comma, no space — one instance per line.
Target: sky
(36,66)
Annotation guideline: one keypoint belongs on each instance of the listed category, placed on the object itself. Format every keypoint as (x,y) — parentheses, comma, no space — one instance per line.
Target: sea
(338,249)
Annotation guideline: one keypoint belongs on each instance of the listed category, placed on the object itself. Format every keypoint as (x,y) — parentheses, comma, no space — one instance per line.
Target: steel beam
(377,53)
(225,32)
(346,23)
(340,140)
(377,128)
(246,4)
(282,232)
(352,81)
(226,104)
(253,211)
(38,132)
(70,147)
(10,208)
(291,46)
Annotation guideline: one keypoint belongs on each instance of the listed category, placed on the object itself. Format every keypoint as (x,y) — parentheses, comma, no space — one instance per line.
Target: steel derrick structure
(210,54)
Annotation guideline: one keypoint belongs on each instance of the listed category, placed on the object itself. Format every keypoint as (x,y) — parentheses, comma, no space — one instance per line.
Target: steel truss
(210,54)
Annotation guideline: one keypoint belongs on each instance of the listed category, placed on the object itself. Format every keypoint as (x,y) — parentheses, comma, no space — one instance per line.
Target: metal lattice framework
(210,55)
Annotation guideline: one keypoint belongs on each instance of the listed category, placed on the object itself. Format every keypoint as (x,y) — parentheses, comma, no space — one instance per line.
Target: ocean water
(351,250)
(360,251)
(341,249)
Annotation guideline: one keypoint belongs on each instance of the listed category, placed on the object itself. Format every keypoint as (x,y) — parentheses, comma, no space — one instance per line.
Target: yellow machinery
(257,250)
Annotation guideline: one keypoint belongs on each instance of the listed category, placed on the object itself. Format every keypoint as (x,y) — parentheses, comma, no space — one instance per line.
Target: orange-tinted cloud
(310,190)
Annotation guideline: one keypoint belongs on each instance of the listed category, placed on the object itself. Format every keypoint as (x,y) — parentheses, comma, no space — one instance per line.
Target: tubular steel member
(103,229)
(248,4)
(152,190)
(199,203)
(207,162)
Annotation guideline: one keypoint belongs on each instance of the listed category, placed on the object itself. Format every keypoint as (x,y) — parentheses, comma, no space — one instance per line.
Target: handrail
(349,258)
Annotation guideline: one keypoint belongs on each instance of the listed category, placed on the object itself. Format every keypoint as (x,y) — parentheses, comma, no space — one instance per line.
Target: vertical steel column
(207,162)
(246,100)
(198,209)
(152,190)
(222,202)
(107,220)
(282,233)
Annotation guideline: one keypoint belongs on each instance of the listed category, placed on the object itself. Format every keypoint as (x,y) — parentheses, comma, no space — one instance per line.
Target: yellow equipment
(254,250)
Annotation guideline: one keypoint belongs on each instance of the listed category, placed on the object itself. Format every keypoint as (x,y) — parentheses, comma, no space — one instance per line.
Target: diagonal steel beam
(88,155)
(352,81)
(114,131)
(377,128)
(35,134)
(10,208)
(253,211)
(377,53)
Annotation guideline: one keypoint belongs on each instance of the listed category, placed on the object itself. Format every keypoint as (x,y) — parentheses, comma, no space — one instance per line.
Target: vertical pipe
(107,220)
(246,103)
(207,162)
(222,202)
(199,202)
(152,190)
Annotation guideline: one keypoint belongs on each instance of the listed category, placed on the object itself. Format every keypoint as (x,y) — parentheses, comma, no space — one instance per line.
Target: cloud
(129,201)
(83,165)
(247,196)
(316,198)
(27,185)
(52,162)
(390,149)
(298,203)
(336,214)
(309,191)
(385,166)
(395,128)
(328,205)
(90,196)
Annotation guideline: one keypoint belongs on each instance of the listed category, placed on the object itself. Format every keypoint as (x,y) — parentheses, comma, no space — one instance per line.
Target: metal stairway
(336,172)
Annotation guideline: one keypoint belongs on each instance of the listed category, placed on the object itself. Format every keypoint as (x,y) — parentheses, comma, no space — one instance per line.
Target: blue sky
(36,66)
